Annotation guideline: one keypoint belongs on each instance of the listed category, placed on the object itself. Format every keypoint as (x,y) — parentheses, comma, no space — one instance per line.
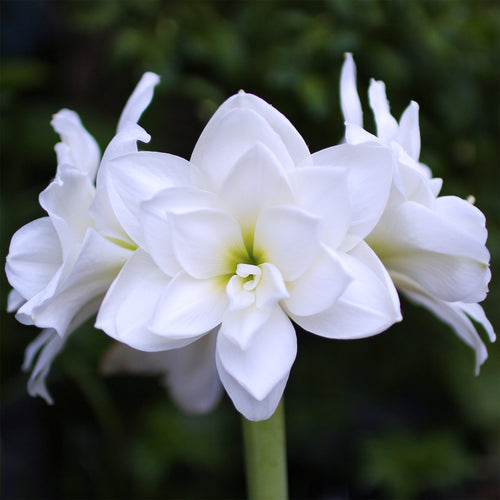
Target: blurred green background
(400,415)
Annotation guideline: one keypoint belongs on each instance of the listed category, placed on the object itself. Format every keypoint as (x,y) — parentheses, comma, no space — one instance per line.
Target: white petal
(287,237)
(415,184)
(240,326)
(67,200)
(409,132)
(387,126)
(354,134)
(413,226)
(49,344)
(250,407)
(78,148)
(452,313)
(190,307)
(190,372)
(271,288)
(226,139)
(369,305)
(239,297)
(369,168)
(463,215)
(349,99)
(34,257)
(476,312)
(319,287)
(131,302)
(207,242)
(448,277)
(295,145)
(256,182)
(323,191)
(155,224)
(192,378)
(34,347)
(123,143)
(437,253)
(139,100)
(14,301)
(134,178)
(105,219)
(87,280)
(265,361)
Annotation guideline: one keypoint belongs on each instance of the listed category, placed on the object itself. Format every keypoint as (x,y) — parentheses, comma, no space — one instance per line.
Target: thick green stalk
(265,457)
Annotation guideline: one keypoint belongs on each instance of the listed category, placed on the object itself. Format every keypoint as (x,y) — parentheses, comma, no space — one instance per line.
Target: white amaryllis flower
(61,265)
(433,246)
(253,235)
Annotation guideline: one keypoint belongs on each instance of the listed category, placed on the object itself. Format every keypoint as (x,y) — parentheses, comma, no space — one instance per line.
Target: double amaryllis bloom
(200,268)
(433,246)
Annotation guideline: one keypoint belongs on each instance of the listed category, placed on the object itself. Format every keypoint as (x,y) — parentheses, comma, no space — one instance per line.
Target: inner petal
(251,275)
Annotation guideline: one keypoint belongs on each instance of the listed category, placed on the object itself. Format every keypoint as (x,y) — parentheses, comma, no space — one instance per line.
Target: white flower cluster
(199,268)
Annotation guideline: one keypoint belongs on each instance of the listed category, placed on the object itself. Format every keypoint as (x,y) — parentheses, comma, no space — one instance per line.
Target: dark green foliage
(400,415)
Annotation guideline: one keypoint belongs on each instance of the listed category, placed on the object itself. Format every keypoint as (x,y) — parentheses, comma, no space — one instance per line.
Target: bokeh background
(400,415)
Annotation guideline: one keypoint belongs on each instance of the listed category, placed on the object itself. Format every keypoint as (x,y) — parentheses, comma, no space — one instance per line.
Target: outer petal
(34,257)
(207,242)
(437,253)
(256,182)
(49,344)
(250,407)
(105,219)
(414,183)
(123,143)
(139,100)
(78,148)
(131,302)
(89,278)
(409,132)
(227,138)
(295,145)
(323,191)
(136,177)
(369,305)
(476,312)
(287,237)
(369,168)
(464,215)
(102,211)
(14,301)
(265,362)
(319,287)
(190,372)
(355,134)
(349,99)
(67,200)
(189,307)
(387,126)
(454,314)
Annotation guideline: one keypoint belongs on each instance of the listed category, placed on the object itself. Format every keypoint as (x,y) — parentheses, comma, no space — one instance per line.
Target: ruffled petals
(369,305)
(130,304)
(264,363)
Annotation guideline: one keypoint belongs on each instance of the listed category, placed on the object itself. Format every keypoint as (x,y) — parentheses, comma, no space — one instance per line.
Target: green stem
(265,457)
